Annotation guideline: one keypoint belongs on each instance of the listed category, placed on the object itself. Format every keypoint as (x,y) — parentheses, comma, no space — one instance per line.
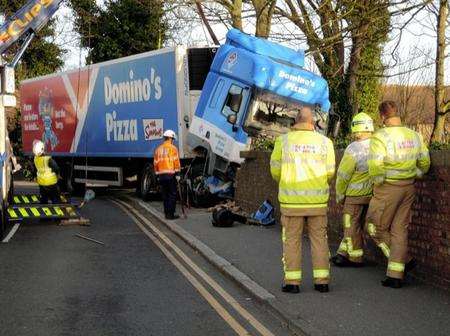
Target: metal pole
(22,49)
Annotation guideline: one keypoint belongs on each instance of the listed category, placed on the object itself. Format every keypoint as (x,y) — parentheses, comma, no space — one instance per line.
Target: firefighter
(354,189)
(47,174)
(397,155)
(167,168)
(302,162)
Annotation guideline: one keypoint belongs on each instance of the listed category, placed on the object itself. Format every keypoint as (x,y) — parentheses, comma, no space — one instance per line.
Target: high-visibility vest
(397,153)
(352,178)
(45,175)
(166,160)
(303,163)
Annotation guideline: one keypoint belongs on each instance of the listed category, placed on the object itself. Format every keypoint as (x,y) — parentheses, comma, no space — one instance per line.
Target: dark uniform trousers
(168,184)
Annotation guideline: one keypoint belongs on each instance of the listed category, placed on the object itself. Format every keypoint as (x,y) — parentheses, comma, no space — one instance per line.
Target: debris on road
(90,239)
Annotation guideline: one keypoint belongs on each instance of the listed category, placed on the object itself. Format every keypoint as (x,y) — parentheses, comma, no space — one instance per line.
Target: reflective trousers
(353,220)
(388,218)
(292,247)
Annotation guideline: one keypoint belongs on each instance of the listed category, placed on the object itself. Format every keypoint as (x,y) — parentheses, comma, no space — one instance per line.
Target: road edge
(270,302)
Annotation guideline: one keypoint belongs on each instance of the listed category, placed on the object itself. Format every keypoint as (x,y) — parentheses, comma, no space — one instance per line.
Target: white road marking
(11,233)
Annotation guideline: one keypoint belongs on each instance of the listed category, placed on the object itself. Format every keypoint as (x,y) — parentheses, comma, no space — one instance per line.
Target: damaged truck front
(254,88)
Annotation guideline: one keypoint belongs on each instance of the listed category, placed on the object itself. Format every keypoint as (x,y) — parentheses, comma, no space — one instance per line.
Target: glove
(178,178)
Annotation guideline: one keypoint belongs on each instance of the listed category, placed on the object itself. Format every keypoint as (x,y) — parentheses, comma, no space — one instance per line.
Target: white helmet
(169,134)
(38,147)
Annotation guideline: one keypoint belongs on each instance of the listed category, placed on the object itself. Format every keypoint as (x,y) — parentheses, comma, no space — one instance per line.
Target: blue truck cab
(254,87)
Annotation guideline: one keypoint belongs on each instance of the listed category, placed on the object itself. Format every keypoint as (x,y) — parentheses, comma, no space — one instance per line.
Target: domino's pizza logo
(231,60)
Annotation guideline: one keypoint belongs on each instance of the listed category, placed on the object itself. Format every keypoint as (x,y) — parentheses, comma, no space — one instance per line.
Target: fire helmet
(169,134)
(38,147)
(362,122)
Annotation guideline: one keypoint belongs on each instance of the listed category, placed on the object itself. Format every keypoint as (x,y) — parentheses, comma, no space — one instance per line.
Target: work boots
(321,288)
(392,282)
(341,261)
(172,216)
(293,289)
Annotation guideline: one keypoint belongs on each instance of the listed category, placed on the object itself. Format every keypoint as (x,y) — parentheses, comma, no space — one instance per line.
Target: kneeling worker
(167,166)
(47,174)
(354,188)
(302,162)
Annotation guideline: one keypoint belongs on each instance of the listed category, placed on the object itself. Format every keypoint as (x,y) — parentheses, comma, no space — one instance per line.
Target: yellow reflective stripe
(275,164)
(70,211)
(58,211)
(47,211)
(35,212)
(25,199)
(349,243)
(385,249)
(371,229)
(34,198)
(283,234)
(16,199)
(343,246)
(396,266)
(23,212)
(356,253)
(293,275)
(12,213)
(321,273)
(347,221)
(296,192)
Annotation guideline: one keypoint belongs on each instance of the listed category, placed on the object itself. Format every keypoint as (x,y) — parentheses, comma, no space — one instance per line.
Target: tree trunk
(264,12)
(236,14)
(440,106)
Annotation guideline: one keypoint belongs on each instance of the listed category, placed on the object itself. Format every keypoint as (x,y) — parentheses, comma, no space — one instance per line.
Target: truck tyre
(74,188)
(148,183)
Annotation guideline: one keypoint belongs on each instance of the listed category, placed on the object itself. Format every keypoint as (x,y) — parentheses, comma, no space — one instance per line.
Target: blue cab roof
(270,67)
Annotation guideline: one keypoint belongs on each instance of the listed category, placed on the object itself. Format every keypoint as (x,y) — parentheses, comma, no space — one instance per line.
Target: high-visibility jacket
(45,175)
(397,153)
(166,160)
(303,163)
(353,173)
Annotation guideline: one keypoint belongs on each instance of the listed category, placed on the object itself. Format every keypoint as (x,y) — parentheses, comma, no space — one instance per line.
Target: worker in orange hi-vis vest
(167,167)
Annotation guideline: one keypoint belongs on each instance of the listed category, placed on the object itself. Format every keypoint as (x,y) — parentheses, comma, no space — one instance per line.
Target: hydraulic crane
(20,27)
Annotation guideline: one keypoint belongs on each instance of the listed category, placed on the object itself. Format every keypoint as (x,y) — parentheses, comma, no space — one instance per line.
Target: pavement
(356,305)
(54,283)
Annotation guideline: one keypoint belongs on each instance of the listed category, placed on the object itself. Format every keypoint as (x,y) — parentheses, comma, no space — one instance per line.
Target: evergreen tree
(119,28)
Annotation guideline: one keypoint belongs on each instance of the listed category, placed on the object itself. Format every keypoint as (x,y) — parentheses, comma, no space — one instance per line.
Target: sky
(415,48)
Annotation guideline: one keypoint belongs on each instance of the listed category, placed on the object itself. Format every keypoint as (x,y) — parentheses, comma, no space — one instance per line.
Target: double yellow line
(157,237)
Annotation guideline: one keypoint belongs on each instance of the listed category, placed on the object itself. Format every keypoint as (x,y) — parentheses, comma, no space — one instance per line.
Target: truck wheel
(148,183)
(74,188)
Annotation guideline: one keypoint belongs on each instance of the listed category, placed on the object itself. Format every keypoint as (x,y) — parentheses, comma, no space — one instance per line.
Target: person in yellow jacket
(354,189)
(303,163)
(397,155)
(47,174)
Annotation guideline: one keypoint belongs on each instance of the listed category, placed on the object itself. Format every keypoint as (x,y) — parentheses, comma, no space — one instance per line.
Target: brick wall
(429,234)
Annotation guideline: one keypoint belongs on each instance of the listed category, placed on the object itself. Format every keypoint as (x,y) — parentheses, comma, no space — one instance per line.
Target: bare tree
(442,106)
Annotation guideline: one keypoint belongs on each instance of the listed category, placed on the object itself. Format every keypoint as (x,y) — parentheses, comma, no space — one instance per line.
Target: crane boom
(29,19)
